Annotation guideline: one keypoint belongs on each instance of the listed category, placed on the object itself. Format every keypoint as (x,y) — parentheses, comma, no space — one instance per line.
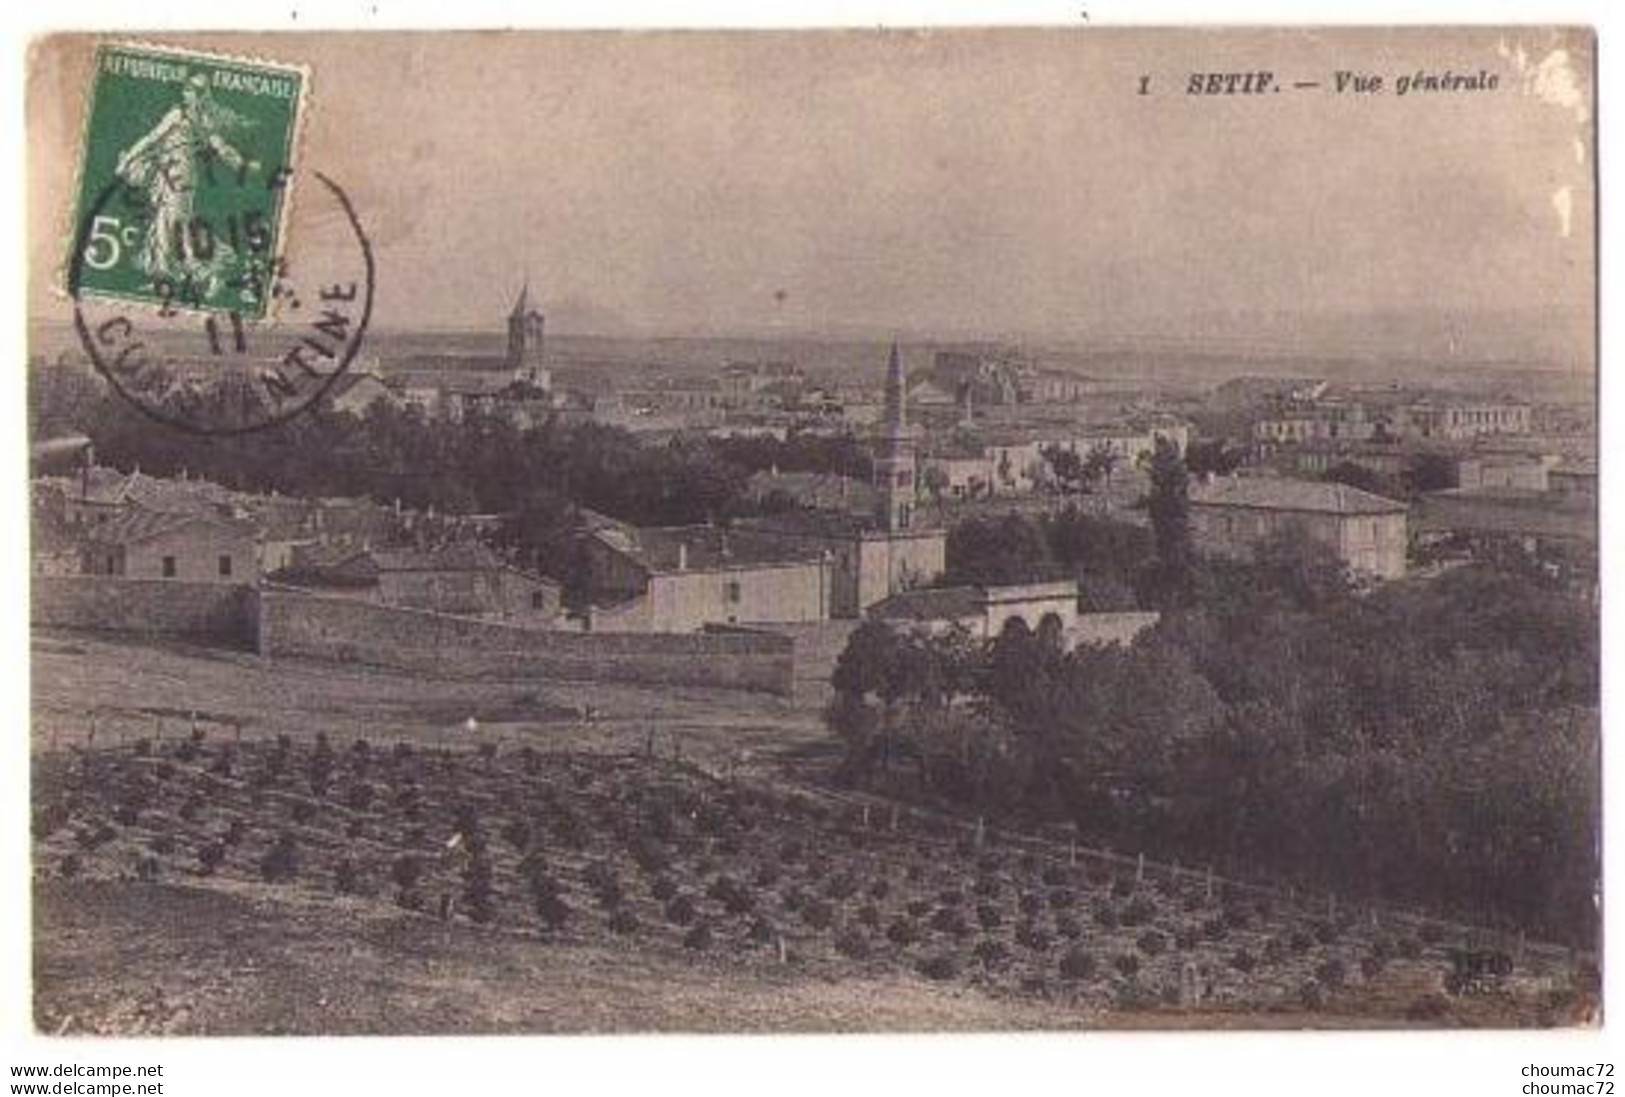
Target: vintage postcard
(813,531)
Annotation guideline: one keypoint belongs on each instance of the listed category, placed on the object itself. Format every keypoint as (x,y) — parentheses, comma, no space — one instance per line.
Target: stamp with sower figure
(189,297)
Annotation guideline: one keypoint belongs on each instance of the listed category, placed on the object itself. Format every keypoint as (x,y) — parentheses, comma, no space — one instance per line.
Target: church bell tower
(526,332)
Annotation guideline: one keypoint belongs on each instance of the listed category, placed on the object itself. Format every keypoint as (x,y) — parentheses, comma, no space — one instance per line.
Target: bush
(1243,961)
(949,920)
(146,868)
(1055,876)
(1332,973)
(1301,941)
(1371,965)
(1127,964)
(868,916)
(662,888)
(1429,1007)
(853,945)
(991,953)
(699,938)
(918,908)
(409,899)
(1152,942)
(609,894)
(346,876)
(987,887)
(1031,936)
(622,921)
(210,856)
(1106,916)
(1311,995)
(542,883)
(818,914)
(903,932)
(735,898)
(939,967)
(1062,899)
(70,866)
(763,931)
(879,889)
(1069,927)
(1185,938)
(517,833)
(989,916)
(481,906)
(843,885)
(406,871)
(767,874)
(1077,963)
(552,910)
(680,911)
(1032,904)
(281,861)
(1408,948)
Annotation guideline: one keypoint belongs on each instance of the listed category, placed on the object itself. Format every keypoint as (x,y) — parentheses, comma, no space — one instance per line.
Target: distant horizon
(1264,344)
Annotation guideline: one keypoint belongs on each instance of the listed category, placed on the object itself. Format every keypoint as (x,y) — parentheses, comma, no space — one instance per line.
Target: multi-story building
(146,544)
(681,579)
(1233,516)
(1456,420)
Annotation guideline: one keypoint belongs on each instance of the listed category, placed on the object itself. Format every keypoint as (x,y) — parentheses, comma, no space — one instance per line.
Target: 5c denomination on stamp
(191,295)
(196,152)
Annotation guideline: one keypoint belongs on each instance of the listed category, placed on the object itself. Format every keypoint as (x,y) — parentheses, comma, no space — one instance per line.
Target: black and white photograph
(886,531)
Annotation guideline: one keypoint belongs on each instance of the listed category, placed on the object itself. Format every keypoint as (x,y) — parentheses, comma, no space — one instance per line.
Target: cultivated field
(354,859)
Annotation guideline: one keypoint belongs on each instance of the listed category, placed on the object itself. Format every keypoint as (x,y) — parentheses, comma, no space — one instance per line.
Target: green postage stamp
(183,181)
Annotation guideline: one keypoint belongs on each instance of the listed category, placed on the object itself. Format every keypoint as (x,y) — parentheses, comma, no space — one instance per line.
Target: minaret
(525,342)
(894,458)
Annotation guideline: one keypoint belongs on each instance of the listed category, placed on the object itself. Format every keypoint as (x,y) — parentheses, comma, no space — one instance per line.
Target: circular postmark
(239,322)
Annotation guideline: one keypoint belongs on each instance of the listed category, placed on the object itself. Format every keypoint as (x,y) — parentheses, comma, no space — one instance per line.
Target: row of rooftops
(969,442)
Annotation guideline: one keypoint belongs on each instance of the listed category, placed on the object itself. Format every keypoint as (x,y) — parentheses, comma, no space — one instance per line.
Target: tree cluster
(1430,743)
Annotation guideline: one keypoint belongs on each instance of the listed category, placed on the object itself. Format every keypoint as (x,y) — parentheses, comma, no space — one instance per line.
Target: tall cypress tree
(1170,525)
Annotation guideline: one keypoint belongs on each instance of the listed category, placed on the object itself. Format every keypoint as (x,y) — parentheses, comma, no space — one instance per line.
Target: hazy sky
(955,180)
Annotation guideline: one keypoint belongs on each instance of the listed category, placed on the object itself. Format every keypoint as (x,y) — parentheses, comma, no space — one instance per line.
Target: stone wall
(1110,628)
(342,630)
(222,613)
(285,623)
